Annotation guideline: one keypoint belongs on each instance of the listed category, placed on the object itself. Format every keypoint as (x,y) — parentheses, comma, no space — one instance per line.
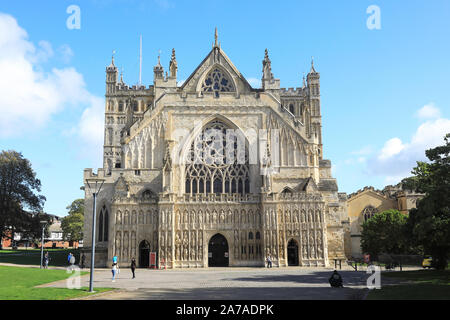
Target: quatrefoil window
(217,81)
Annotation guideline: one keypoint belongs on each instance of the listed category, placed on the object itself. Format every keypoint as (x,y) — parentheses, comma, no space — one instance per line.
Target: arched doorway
(292,251)
(144,254)
(218,251)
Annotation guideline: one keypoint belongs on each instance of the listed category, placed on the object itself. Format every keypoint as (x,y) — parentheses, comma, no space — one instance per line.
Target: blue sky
(385,95)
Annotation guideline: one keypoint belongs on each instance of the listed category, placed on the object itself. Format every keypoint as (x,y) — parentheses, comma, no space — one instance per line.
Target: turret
(268,81)
(111,77)
(173,67)
(163,79)
(158,70)
(313,82)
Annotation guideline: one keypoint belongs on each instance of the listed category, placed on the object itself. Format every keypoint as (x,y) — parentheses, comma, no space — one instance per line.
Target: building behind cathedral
(367,202)
(258,186)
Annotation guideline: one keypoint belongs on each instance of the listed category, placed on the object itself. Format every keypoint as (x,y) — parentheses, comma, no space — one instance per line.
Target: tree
(33,227)
(18,193)
(73,224)
(77,206)
(385,233)
(430,221)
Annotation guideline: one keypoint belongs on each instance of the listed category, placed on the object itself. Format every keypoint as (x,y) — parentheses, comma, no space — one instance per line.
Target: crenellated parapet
(292,92)
(124,89)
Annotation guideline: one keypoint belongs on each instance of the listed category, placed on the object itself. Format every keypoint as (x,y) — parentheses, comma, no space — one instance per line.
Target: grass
(9,251)
(58,257)
(421,285)
(19,283)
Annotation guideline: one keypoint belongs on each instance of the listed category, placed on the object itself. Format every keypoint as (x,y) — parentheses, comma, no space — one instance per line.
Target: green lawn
(58,257)
(422,285)
(19,284)
(9,251)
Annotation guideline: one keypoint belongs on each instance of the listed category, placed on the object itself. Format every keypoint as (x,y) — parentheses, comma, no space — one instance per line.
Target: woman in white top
(115,270)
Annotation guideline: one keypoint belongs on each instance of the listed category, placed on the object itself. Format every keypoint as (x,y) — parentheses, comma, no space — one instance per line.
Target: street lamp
(94,186)
(43,224)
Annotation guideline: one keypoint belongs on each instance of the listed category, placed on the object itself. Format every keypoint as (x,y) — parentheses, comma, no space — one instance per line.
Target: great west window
(217,162)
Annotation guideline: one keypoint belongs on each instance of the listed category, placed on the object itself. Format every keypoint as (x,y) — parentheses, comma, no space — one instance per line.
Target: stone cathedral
(214,172)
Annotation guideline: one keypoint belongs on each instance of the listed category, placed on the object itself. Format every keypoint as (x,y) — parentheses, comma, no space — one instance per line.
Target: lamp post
(43,224)
(94,186)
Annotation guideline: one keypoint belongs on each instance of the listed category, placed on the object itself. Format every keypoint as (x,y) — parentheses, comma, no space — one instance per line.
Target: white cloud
(361,159)
(44,52)
(30,95)
(359,156)
(429,111)
(391,148)
(397,158)
(255,83)
(90,130)
(66,53)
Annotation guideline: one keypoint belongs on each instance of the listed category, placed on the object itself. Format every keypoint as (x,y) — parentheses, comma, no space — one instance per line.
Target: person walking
(269,262)
(46,259)
(115,269)
(72,260)
(69,257)
(83,261)
(133,267)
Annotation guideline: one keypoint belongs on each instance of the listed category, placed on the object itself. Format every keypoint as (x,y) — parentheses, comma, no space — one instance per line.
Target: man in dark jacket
(133,267)
(336,280)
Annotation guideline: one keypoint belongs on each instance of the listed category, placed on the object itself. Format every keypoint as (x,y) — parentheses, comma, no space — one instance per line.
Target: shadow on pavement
(249,293)
(350,278)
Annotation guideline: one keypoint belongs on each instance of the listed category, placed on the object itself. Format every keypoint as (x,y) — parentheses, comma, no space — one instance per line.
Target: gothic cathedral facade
(214,172)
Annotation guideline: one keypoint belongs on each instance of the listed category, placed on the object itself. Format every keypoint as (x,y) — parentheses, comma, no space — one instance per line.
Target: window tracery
(217,162)
(369,212)
(217,81)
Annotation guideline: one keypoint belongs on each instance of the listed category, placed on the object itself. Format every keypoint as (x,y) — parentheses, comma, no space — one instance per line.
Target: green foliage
(430,223)
(32,228)
(73,224)
(18,188)
(77,206)
(384,233)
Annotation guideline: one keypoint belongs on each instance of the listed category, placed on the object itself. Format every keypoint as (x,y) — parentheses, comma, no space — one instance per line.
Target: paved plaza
(293,283)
